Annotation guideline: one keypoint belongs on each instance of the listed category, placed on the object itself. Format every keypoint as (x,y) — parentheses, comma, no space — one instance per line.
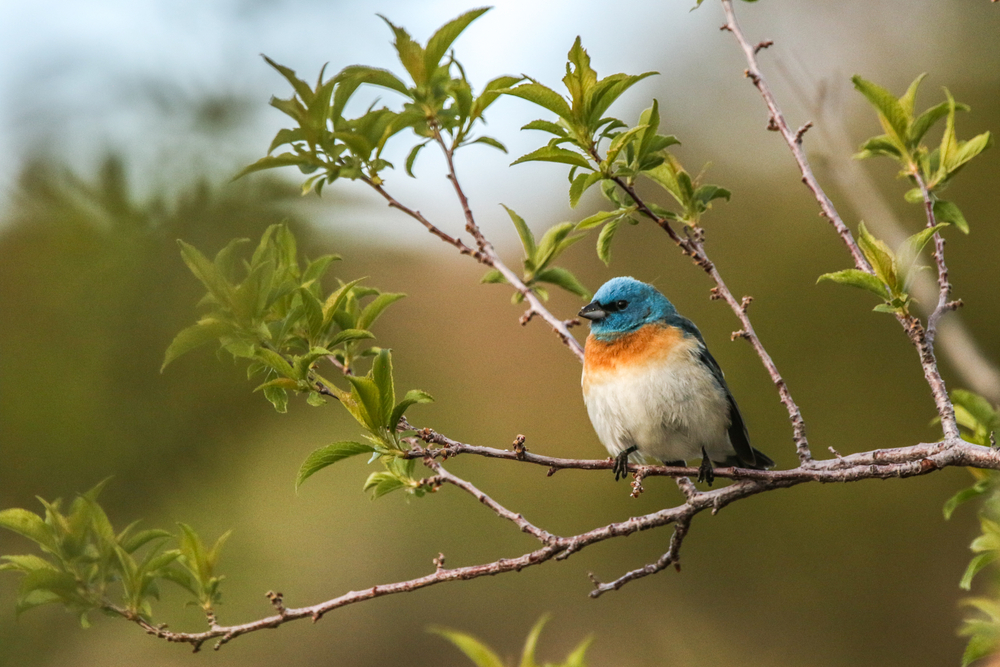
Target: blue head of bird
(623,305)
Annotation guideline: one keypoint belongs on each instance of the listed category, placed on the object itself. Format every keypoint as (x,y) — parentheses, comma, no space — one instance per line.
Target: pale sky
(78,78)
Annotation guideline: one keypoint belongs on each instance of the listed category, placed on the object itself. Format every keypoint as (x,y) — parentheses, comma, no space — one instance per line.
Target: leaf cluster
(903,142)
(893,270)
(438,100)
(979,421)
(582,131)
(482,655)
(86,565)
(372,402)
(538,258)
(274,311)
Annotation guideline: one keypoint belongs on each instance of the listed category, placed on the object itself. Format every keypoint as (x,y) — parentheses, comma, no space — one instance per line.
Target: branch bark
(901,462)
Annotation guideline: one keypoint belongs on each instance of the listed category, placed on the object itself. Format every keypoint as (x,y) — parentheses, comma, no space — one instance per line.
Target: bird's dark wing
(738,435)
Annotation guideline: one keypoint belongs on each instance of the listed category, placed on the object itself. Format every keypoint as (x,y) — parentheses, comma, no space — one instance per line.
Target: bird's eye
(621,304)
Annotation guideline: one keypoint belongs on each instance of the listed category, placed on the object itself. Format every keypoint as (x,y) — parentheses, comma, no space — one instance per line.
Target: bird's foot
(620,467)
(705,471)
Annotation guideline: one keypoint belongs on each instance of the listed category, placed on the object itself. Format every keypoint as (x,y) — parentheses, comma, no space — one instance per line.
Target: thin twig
(778,119)
(487,249)
(914,329)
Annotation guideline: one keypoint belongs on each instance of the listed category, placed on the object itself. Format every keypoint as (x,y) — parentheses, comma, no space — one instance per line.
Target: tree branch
(877,464)
(485,255)
(914,329)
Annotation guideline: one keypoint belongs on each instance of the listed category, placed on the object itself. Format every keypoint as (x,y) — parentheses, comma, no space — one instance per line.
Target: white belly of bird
(669,409)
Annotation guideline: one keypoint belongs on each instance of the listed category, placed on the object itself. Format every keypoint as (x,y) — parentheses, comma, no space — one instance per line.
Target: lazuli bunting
(652,388)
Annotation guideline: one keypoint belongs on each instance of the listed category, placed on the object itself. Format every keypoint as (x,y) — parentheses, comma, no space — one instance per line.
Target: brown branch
(485,254)
(878,464)
(672,557)
(914,329)
(792,139)
(487,249)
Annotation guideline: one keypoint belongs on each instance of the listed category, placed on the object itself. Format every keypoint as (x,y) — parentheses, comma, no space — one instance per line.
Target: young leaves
(538,258)
(902,141)
(85,565)
(892,270)
(438,102)
(482,655)
(372,402)
(274,311)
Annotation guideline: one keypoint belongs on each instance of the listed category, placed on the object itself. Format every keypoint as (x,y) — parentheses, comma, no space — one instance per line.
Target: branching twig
(878,464)
(914,329)
(485,255)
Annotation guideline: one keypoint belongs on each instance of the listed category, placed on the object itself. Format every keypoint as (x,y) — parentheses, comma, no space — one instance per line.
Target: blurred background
(121,124)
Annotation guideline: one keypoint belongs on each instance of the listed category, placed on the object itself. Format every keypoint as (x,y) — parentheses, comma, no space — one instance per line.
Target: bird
(652,388)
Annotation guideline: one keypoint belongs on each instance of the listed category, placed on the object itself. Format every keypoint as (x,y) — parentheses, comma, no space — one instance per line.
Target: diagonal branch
(487,256)
(912,325)
(486,248)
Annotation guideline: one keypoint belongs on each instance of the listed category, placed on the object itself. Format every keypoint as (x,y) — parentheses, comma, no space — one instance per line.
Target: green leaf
(134,542)
(412,157)
(439,42)
(945,211)
(882,259)
(581,184)
(542,96)
(205,331)
(412,397)
(965,495)
(604,241)
(493,277)
(531,642)
(979,646)
(707,193)
(553,242)
(927,119)
(29,525)
(975,566)
(274,161)
(372,311)
(601,217)
(554,154)
(349,335)
(381,483)
(325,456)
(369,400)
(26,563)
(301,87)
(564,279)
(278,398)
(490,141)
(374,76)
(914,244)
(546,126)
(523,231)
(891,113)
(382,377)
(857,278)
(607,91)
(881,145)
(207,273)
(978,407)
(479,653)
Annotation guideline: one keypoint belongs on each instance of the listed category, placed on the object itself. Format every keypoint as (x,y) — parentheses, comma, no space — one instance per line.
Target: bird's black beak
(593,312)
